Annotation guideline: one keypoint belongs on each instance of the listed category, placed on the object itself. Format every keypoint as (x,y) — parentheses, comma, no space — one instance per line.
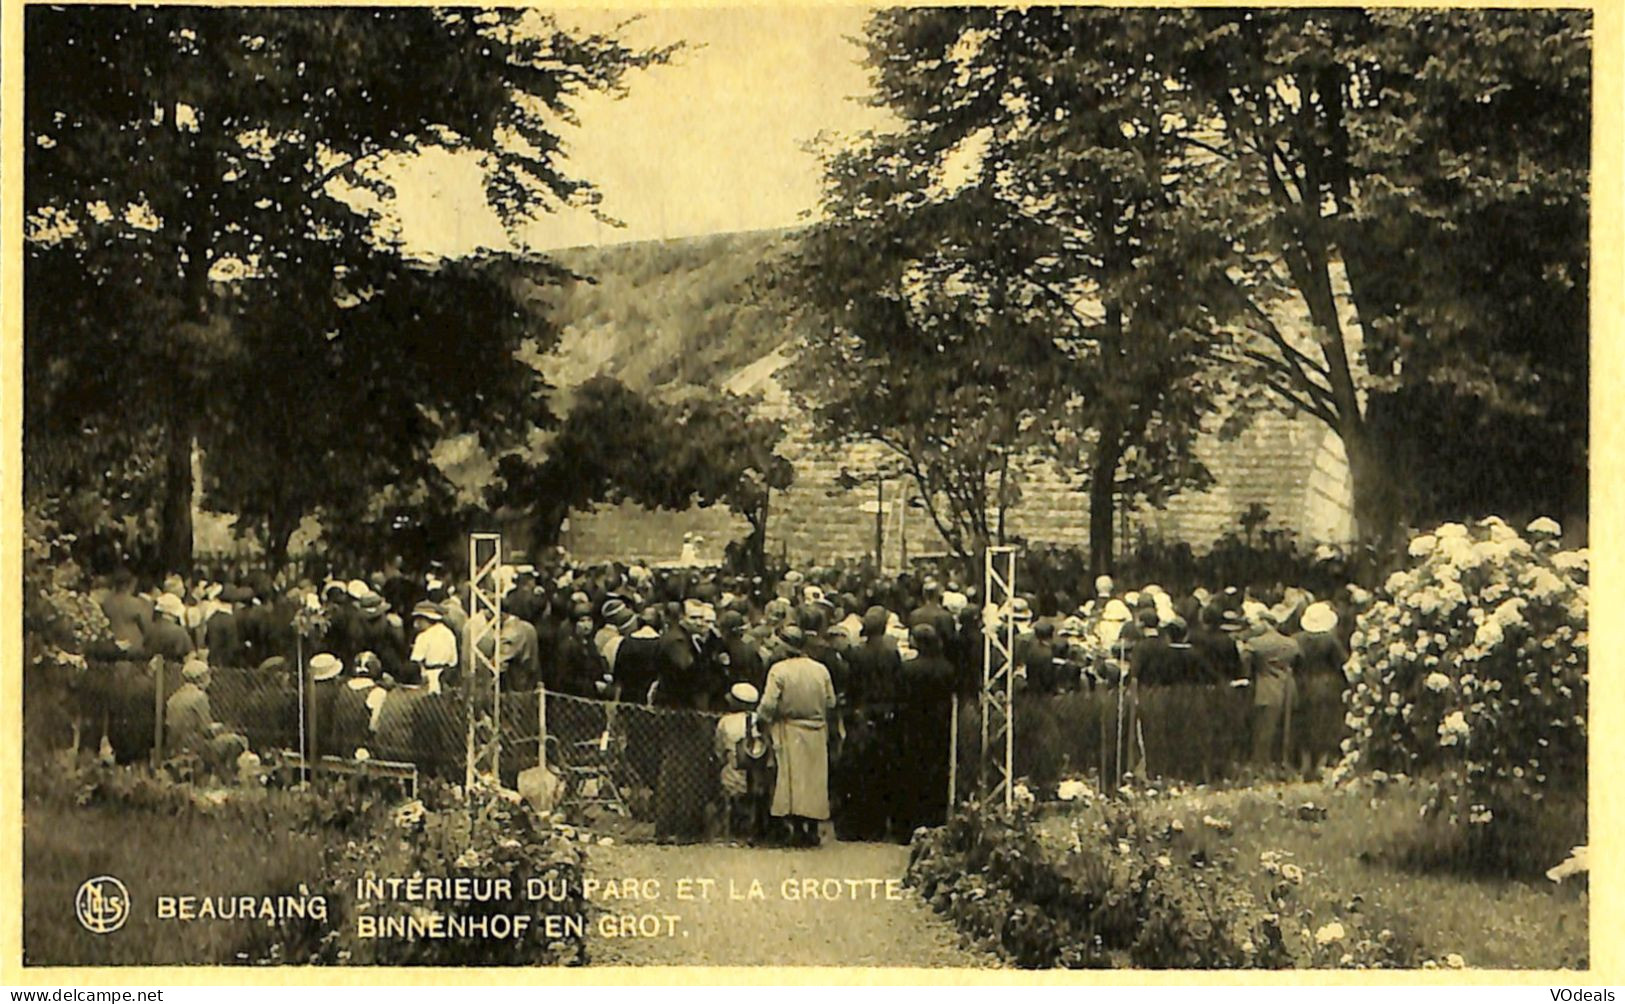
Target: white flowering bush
(1472,665)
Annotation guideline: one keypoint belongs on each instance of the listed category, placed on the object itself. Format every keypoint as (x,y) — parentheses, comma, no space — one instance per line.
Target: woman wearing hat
(1320,691)
(740,746)
(167,637)
(796,708)
(434,648)
(925,701)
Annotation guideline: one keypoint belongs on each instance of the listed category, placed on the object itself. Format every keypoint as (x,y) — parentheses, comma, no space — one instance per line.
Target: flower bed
(1276,876)
(1120,894)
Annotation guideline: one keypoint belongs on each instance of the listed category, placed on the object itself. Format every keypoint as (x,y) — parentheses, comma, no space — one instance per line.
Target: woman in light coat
(796,706)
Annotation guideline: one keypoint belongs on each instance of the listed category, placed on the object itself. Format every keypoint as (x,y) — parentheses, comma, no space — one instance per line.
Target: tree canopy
(207,248)
(1095,229)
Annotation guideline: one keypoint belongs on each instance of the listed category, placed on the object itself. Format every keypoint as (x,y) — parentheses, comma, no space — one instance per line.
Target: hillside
(664,315)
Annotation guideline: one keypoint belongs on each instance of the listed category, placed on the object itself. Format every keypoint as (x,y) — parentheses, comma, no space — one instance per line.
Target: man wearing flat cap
(1271,660)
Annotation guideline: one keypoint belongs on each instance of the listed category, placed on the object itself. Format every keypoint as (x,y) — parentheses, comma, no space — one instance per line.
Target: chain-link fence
(633,770)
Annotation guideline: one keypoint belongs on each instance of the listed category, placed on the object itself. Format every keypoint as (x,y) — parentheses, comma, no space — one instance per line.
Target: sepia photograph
(942,490)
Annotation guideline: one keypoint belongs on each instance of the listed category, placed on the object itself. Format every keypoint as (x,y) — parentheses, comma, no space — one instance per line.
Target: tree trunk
(1378,501)
(547,524)
(278,532)
(175,537)
(1102,502)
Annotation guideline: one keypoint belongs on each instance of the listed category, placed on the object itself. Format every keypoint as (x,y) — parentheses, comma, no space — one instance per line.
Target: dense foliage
(1096,229)
(1473,669)
(1127,894)
(211,261)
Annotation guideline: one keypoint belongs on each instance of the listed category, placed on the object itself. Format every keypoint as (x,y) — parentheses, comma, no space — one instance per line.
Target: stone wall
(1293,466)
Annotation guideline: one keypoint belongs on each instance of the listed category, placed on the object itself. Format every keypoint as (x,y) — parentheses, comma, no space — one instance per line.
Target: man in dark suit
(932,612)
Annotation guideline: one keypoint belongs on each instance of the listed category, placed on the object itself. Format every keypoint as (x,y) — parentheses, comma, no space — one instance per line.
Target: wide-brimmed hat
(170,605)
(373,605)
(357,588)
(325,666)
(792,636)
(1020,610)
(1319,617)
(428,611)
(744,693)
(1115,611)
(954,601)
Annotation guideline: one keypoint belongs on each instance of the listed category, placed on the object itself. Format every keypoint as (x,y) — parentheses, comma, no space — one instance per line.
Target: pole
(902,529)
(953,749)
(304,761)
(496,680)
(1009,688)
(157,711)
(541,725)
(880,524)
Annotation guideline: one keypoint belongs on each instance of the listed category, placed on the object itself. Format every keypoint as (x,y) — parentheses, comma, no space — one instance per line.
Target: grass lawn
(153,854)
(1374,855)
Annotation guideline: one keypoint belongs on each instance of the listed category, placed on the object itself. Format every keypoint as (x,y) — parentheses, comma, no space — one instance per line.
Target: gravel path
(828,906)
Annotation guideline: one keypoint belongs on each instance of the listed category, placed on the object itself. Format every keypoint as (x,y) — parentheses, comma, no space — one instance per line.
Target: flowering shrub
(1472,667)
(1125,893)
(492,837)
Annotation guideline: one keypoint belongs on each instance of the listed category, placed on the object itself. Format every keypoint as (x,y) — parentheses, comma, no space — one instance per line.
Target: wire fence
(1197,733)
(645,772)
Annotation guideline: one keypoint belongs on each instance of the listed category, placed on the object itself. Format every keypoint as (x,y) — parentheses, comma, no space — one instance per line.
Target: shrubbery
(1472,670)
(363,828)
(1127,895)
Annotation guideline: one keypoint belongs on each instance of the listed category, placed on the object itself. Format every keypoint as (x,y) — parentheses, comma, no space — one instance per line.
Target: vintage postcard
(930,493)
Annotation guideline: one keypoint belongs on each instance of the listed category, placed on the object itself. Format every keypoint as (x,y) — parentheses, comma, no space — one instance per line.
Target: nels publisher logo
(102,904)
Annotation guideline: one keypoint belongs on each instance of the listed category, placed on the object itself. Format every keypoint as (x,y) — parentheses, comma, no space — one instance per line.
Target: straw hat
(744,693)
(325,666)
(1319,618)
(428,611)
(170,605)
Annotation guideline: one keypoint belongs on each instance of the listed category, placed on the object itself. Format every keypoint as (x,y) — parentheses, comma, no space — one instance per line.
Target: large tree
(1414,185)
(998,274)
(192,179)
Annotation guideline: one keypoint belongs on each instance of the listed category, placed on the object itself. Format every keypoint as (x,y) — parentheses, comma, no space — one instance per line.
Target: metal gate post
(998,678)
(485,588)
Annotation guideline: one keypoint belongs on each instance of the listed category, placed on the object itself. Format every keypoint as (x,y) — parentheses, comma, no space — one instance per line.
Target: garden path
(851,922)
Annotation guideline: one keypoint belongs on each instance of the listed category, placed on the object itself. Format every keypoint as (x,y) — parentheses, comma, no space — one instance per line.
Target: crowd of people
(835,683)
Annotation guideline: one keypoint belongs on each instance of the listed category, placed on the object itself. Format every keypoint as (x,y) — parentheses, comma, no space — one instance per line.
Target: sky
(715,141)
